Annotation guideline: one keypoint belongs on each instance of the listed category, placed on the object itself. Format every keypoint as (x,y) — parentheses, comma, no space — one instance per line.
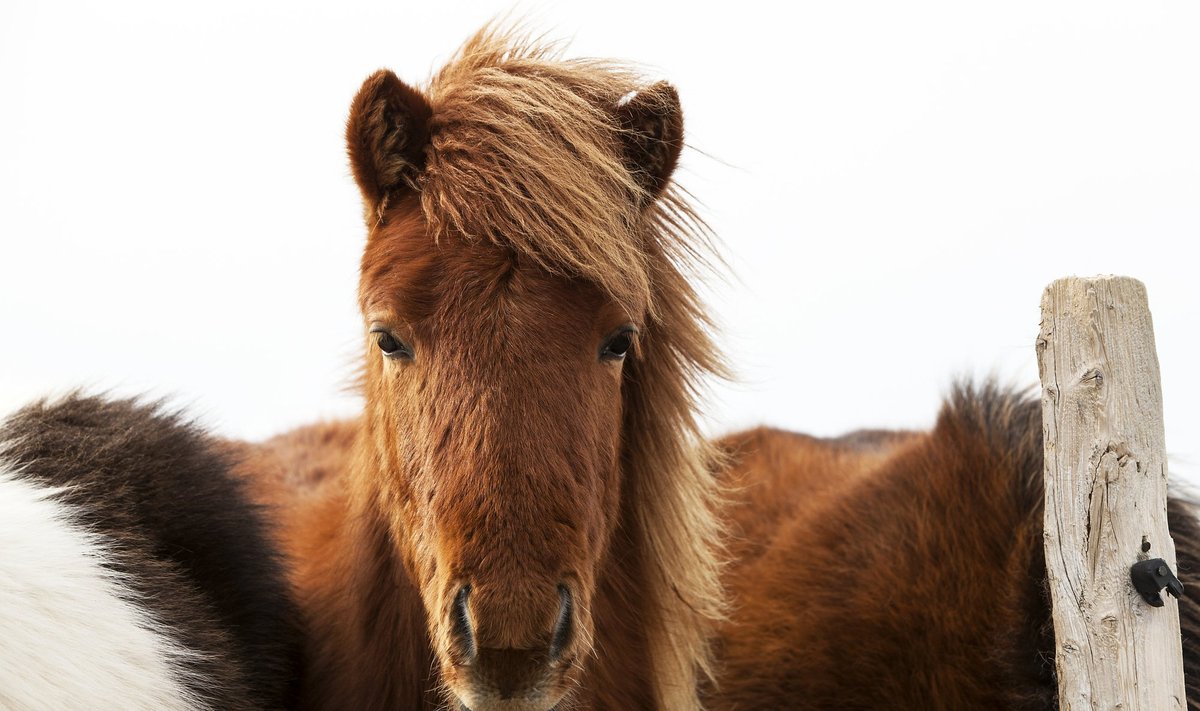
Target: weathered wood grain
(1106,497)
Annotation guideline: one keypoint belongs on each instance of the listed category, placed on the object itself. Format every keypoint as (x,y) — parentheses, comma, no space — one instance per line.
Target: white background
(893,183)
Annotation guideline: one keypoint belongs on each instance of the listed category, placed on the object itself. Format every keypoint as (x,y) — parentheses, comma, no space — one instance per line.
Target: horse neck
(621,676)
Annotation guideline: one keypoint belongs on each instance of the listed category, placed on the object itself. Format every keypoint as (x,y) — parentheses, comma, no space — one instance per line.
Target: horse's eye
(390,346)
(617,345)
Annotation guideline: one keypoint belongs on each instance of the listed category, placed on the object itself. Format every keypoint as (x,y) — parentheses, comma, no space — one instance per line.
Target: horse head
(512,293)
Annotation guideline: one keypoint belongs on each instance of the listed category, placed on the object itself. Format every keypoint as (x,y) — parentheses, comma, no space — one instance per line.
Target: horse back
(902,571)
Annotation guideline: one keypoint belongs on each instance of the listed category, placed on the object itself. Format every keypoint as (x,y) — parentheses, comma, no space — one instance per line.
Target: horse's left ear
(653,136)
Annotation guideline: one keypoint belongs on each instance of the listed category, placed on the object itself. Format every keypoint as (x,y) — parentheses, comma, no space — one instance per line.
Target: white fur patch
(626,98)
(71,633)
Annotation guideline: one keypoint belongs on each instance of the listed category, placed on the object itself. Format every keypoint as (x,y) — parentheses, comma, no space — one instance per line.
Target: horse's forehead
(499,290)
(457,288)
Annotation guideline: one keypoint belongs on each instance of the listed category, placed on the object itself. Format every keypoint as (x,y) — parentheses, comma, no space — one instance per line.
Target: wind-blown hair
(524,152)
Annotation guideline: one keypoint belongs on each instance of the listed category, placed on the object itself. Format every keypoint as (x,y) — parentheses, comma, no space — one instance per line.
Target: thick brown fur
(902,570)
(496,457)
(188,540)
(507,453)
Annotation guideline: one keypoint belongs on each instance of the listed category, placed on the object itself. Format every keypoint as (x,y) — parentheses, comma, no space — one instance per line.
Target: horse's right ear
(386,136)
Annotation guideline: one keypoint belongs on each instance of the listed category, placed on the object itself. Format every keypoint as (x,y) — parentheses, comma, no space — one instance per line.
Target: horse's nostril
(460,623)
(564,627)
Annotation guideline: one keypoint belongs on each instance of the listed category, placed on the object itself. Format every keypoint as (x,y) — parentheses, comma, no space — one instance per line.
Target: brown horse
(524,512)
(525,516)
(903,570)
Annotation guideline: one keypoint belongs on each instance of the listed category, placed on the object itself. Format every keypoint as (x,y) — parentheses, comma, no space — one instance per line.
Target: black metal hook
(1151,576)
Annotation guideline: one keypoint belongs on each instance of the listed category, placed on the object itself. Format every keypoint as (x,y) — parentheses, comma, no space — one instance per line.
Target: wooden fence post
(1106,497)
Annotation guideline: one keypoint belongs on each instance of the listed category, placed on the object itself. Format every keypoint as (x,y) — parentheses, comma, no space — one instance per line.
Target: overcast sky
(893,185)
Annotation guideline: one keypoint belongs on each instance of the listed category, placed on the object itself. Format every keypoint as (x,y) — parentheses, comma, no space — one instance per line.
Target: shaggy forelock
(525,152)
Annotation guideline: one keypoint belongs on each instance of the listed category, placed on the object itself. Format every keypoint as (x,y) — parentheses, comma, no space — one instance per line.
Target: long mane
(525,153)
